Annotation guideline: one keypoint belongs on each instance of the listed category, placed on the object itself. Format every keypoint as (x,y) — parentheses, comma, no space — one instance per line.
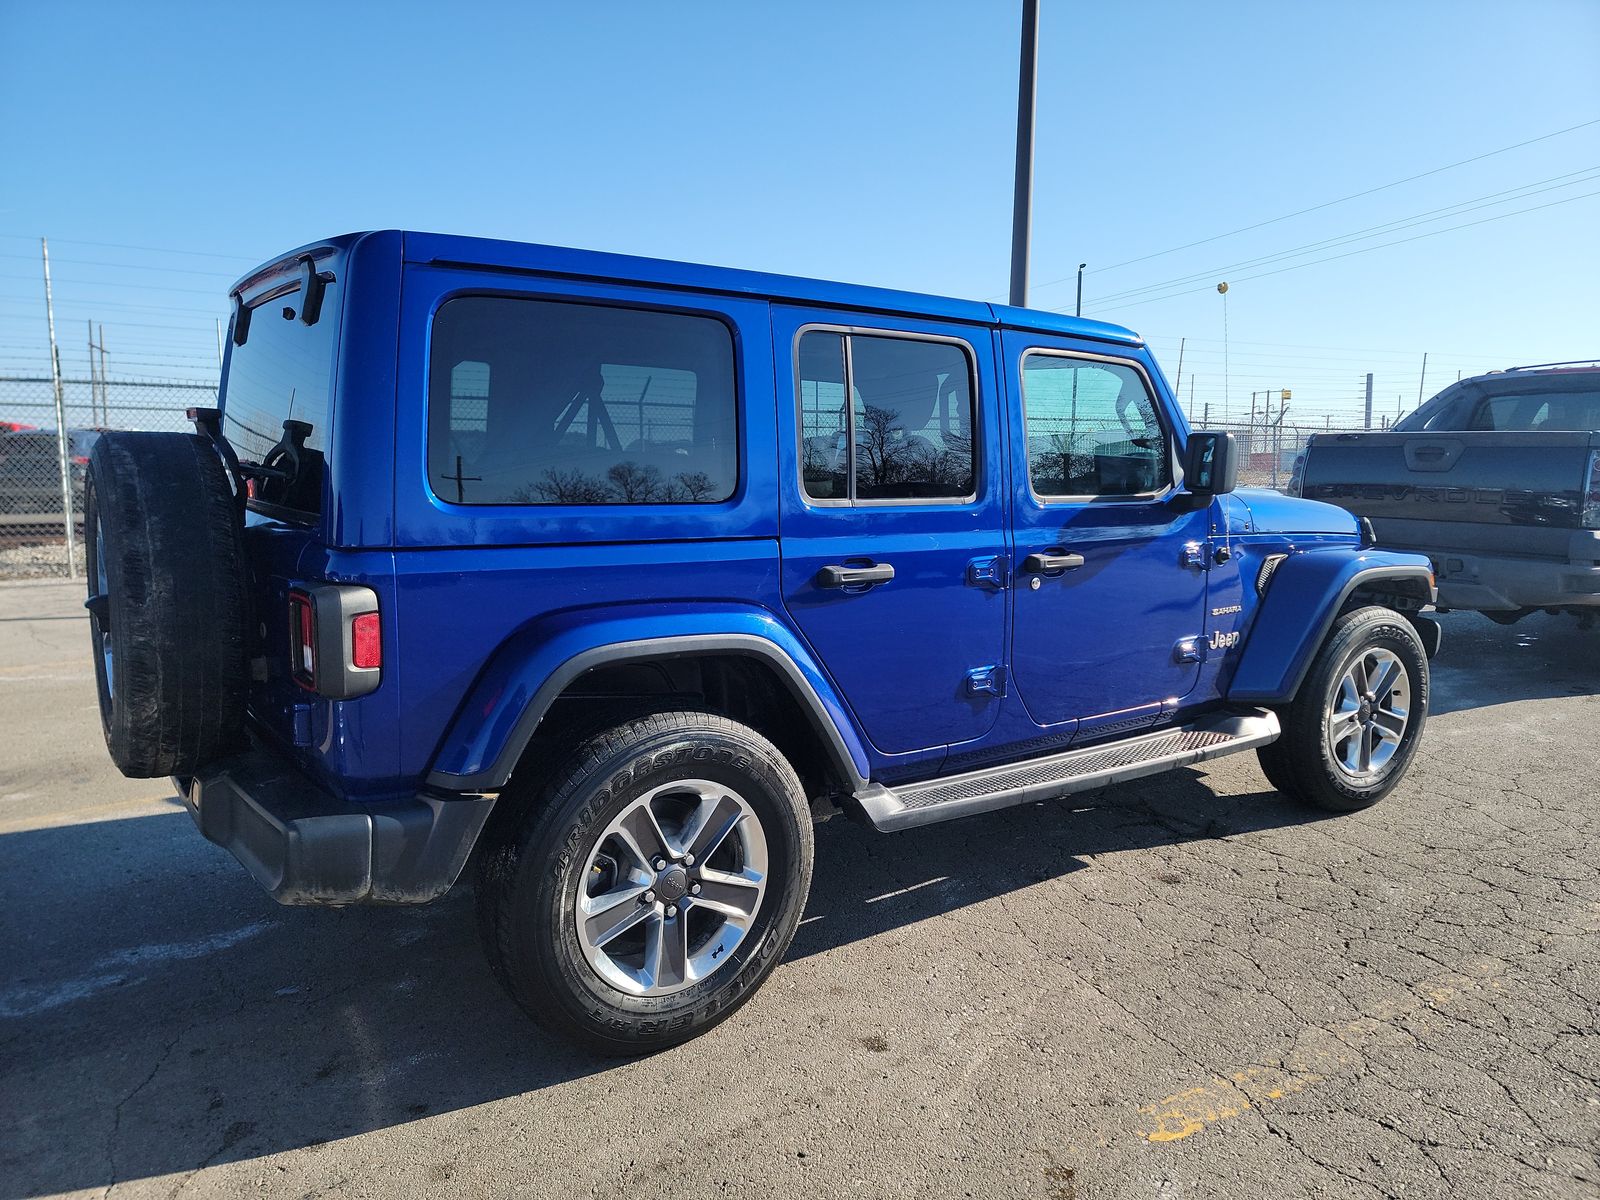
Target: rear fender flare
(503,708)
(1304,598)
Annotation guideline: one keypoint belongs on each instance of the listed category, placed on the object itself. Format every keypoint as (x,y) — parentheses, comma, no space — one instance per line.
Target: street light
(1079,311)
(1222,289)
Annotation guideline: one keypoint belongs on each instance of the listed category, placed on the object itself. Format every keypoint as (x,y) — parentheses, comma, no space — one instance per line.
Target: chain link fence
(41,510)
(1268,452)
(41,522)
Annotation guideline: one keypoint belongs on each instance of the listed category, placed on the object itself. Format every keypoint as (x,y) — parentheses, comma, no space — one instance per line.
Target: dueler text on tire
(651,884)
(167,601)
(1352,729)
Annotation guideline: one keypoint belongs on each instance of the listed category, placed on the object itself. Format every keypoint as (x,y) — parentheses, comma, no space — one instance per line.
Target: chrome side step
(1062,774)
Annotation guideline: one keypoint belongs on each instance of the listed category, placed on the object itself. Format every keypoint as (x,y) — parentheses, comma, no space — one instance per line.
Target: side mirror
(1211,464)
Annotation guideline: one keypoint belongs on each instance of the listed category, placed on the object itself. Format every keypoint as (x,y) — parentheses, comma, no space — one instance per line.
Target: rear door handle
(833,576)
(1038,564)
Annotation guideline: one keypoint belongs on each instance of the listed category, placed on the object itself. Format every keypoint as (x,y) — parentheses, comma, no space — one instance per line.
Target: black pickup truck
(1496,479)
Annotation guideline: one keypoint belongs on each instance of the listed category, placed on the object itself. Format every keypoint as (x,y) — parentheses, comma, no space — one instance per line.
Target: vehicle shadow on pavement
(1540,657)
(867,883)
(159,1014)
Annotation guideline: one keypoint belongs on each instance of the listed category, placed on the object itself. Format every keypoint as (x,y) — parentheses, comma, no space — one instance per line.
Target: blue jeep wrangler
(605,577)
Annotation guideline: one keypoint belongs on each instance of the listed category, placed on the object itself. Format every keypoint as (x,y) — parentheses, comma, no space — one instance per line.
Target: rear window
(1538,410)
(283,372)
(550,402)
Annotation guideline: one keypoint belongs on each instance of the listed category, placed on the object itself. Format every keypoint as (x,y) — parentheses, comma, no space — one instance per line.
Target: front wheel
(1352,729)
(651,885)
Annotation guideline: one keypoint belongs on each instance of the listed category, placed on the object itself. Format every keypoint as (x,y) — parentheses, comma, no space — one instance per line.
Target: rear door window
(538,402)
(906,433)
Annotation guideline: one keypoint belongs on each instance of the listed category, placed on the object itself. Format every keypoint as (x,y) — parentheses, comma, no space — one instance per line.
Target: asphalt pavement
(1183,987)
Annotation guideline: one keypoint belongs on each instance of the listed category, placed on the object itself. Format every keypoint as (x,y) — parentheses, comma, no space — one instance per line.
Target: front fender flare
(1303,600)
(503,708)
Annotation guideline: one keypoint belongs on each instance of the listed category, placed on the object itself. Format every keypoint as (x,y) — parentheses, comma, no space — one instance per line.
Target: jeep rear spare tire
(168,609)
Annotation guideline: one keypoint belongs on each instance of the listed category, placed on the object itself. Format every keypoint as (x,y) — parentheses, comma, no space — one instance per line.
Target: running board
(1062,774)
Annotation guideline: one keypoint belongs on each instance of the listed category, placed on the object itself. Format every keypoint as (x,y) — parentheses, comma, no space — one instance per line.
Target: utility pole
(1250,434)
(1369,400)
(105,390)
(99,393)
(1079,311)
(94,380)
(1277,435)
(61,414)
(1179,382)
(219,344)
(1424,379)
(1022,203)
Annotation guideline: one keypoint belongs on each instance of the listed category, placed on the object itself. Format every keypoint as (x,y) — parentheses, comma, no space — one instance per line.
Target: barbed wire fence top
(41,523)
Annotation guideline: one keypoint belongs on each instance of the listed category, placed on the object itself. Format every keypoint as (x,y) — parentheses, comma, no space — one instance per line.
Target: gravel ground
(1179,988)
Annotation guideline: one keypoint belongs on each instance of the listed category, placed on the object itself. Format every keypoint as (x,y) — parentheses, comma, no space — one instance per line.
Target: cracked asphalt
(1178,988)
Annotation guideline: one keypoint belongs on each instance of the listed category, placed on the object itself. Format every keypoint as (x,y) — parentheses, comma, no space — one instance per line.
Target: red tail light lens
(303,640)
(366,642)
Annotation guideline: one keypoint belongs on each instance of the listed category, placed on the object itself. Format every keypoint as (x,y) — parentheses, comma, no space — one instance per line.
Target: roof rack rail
(1576,362)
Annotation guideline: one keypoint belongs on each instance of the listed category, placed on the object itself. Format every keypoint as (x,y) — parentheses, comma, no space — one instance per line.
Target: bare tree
(635,484)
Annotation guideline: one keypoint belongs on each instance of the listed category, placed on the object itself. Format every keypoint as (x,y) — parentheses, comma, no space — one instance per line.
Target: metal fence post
(61,419)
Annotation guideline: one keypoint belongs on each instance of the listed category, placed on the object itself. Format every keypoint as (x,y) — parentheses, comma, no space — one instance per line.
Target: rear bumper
(306,846)
(1488,582)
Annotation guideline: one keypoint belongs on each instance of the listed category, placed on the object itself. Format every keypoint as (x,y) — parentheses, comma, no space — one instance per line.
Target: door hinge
(992,570)
(987,681)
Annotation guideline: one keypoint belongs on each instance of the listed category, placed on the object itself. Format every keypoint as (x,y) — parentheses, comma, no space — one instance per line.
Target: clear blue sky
(869,142)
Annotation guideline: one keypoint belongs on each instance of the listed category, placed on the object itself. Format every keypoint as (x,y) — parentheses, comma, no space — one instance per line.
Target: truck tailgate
(1516,494)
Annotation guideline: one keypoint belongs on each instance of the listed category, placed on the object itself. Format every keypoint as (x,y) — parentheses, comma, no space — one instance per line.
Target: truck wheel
(651,884)
(1351,731)
(167,602)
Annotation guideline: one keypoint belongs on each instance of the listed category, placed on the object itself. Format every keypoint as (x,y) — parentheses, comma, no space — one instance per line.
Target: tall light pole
(1222,289)
(1022,203)
(1079,311)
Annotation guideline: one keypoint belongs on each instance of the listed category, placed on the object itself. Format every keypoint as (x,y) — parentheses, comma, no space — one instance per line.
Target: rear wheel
(644,892)
(1352,729)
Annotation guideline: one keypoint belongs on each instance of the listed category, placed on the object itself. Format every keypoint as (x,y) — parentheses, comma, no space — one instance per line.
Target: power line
(149,287)
(28,237)
(92,262)
(1363,250)
(1521,192)
(1330,203)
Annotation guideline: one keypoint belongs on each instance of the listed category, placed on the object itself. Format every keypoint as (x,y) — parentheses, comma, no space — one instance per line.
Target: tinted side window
(1092,429)
(906,433)
(546,402)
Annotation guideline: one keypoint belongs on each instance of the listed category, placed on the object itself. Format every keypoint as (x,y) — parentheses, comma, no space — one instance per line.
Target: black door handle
(1038,564)
(839,577)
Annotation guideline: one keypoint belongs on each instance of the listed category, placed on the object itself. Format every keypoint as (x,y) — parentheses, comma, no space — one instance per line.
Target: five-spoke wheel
(1352,728)
(672,886)
(1368,711)
(645,887)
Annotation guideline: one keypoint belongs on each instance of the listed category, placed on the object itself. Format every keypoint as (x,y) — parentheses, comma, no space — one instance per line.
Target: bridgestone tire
(169,608)
(531,872)
(1300,764)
